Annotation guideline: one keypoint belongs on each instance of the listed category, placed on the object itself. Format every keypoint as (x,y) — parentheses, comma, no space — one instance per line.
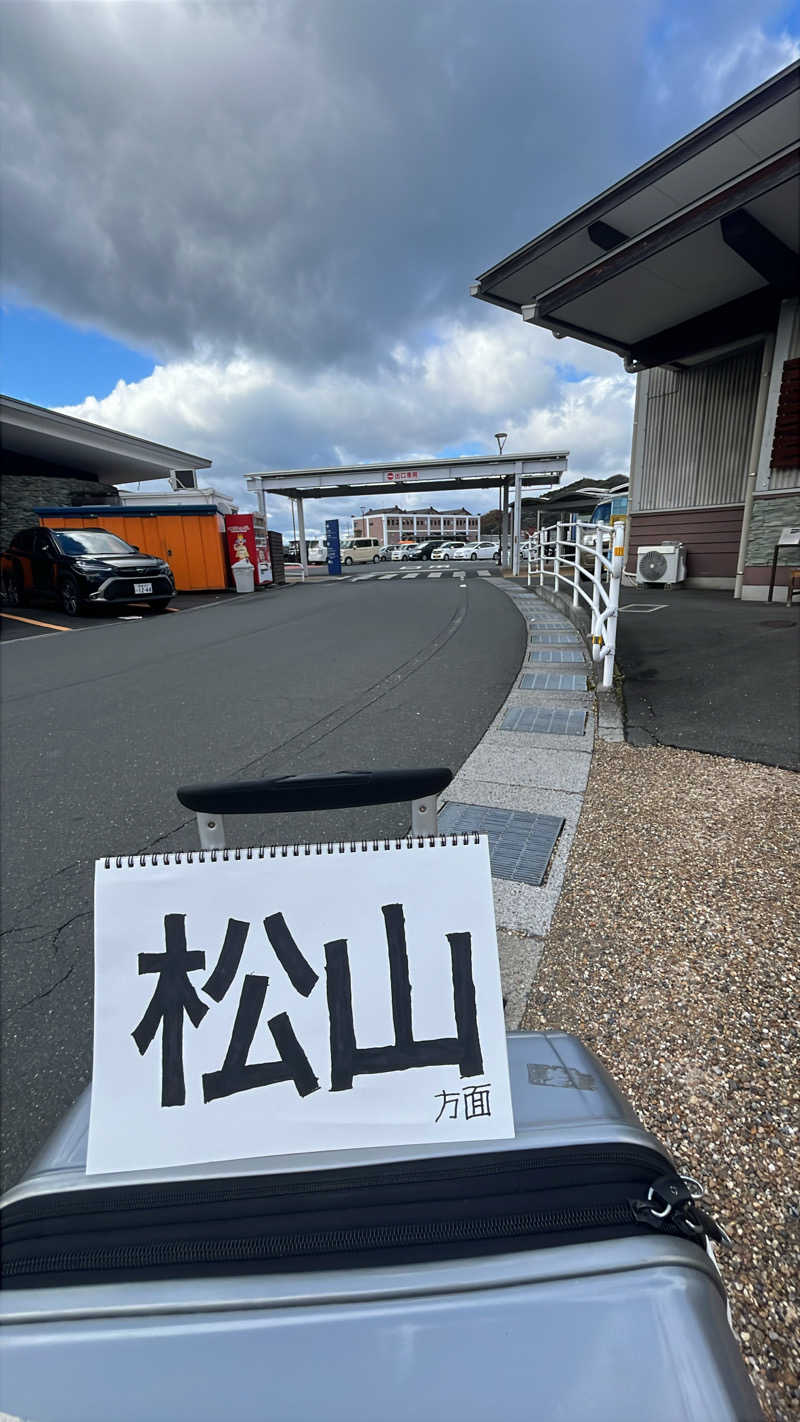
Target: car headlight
(88,565)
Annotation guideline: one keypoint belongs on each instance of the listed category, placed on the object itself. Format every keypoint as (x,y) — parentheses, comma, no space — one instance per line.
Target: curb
(536,773)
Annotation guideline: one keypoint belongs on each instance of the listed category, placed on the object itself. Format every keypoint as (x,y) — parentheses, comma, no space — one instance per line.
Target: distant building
(397,525)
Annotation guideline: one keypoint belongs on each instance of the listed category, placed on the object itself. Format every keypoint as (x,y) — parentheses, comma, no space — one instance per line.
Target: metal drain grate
(545,721)
(520,844)
(566,655)
(552,681)
(548,638)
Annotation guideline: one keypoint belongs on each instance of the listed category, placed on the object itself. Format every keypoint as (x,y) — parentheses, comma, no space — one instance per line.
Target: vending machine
(246,538)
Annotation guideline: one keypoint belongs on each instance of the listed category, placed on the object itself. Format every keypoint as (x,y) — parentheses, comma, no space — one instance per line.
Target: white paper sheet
(351,902)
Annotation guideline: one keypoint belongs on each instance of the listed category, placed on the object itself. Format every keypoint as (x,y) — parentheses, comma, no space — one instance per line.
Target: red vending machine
(246,537)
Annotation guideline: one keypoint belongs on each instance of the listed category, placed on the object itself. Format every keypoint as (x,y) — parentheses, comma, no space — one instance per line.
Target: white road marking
(383,576)
(644,607)
(434,575)
(410,575)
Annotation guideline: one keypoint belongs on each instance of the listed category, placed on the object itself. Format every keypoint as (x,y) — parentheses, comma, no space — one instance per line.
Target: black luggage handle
(342,790)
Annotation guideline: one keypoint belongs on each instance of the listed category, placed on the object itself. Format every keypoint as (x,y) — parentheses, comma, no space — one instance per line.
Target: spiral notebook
(264,1002)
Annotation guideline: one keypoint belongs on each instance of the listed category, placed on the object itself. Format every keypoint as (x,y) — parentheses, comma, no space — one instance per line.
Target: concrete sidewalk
(523,785)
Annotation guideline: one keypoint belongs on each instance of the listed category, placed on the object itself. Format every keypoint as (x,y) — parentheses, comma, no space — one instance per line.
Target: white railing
(587,559)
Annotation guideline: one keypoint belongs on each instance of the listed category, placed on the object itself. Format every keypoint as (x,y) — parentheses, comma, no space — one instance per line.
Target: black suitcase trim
(422,1211)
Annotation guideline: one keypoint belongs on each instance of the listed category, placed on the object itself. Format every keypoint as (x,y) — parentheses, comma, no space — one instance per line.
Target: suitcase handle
(343,790)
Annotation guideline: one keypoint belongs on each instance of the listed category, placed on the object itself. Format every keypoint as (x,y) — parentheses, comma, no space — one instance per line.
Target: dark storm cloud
(313,180)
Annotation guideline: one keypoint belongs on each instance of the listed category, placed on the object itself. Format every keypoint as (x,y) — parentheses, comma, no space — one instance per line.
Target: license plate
(143,587)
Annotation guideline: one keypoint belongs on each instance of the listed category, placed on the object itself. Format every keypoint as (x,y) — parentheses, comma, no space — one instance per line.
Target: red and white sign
(393,476)
(247,540)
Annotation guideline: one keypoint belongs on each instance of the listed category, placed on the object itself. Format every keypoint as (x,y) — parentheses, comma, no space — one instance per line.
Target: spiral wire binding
(284,851)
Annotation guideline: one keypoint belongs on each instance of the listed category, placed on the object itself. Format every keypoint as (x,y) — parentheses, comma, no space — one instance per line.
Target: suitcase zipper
(670,1207)
(317,1242)
(473,1168)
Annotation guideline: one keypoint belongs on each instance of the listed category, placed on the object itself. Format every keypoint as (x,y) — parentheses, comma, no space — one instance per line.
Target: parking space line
(51,626)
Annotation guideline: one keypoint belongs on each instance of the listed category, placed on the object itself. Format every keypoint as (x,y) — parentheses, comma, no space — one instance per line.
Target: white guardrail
(587,558)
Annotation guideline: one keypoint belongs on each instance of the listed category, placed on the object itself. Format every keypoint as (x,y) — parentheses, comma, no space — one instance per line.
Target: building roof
(691,252)
(410,513)
(33,432)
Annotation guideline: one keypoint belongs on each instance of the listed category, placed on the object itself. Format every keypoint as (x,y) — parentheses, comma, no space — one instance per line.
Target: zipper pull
(672,1203)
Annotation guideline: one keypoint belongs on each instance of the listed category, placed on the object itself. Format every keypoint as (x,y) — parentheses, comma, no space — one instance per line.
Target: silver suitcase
(508,1280)
(565,1274)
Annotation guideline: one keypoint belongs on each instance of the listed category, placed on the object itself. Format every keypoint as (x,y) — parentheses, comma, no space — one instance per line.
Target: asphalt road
(706,673)
(101,723)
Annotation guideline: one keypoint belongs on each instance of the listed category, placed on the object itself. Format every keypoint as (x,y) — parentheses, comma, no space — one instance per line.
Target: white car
(445,551)
(399,551)
(318,552)
(474,551)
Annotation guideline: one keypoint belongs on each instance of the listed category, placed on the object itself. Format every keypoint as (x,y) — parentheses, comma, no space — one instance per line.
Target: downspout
(755,450)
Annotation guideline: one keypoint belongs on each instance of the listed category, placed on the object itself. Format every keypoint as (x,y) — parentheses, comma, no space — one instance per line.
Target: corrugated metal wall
(698,428)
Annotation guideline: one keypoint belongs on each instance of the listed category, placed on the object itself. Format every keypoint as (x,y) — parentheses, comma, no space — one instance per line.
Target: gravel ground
(673,954)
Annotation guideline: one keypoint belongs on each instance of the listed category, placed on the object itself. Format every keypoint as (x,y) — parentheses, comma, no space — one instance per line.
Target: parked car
(475,551)
(385,552)
(412,552)
(446,550)
(360,550)
(318,552)
(82,568)
(399,551)
(427,549)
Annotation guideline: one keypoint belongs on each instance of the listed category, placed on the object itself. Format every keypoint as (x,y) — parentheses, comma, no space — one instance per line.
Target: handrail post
(540,534)
(598,575)
(557,559)
(576,576)
(617,560)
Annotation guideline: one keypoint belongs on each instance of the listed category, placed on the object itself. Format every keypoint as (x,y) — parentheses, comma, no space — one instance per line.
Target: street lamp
(501,439)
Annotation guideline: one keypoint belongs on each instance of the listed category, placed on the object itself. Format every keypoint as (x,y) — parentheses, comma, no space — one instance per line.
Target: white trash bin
(243,576)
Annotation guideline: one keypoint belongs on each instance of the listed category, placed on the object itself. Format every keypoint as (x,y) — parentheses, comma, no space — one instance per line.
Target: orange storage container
(190,536)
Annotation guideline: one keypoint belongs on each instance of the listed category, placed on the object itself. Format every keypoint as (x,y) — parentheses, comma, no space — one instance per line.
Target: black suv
(83,567)
(424,550)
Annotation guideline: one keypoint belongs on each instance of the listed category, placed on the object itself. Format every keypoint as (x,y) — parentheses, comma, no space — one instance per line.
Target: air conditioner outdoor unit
(665,563)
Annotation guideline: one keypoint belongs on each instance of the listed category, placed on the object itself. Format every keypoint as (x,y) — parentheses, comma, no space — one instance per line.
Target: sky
(248,230)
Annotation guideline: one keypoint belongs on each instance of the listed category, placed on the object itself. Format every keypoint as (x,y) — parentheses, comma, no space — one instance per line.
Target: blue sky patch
(51,362)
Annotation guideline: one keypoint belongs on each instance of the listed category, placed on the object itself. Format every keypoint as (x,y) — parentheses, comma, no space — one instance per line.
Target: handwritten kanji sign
(265,1006)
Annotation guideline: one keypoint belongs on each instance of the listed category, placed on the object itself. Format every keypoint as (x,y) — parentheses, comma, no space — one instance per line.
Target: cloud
(249,413)
(317,182)
(285,202)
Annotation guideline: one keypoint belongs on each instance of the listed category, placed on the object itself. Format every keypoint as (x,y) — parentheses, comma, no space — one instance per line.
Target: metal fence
(584,559)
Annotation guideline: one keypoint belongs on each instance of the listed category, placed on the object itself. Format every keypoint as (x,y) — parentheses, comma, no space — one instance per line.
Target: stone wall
(769,517)
(20,494)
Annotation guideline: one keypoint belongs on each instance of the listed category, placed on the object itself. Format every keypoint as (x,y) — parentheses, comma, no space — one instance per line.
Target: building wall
(711,537)
(20,494)
(692,443)
(403,526)
(697,430)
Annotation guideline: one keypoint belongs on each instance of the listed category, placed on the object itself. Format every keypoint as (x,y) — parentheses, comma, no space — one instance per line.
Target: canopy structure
(33,435)
(498,471)
(694,251)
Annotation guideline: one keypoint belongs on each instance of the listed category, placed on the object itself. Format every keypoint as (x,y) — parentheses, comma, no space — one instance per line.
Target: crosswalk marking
(410,575)
(383,576)
(484,573)
(434,575)
(364,577)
